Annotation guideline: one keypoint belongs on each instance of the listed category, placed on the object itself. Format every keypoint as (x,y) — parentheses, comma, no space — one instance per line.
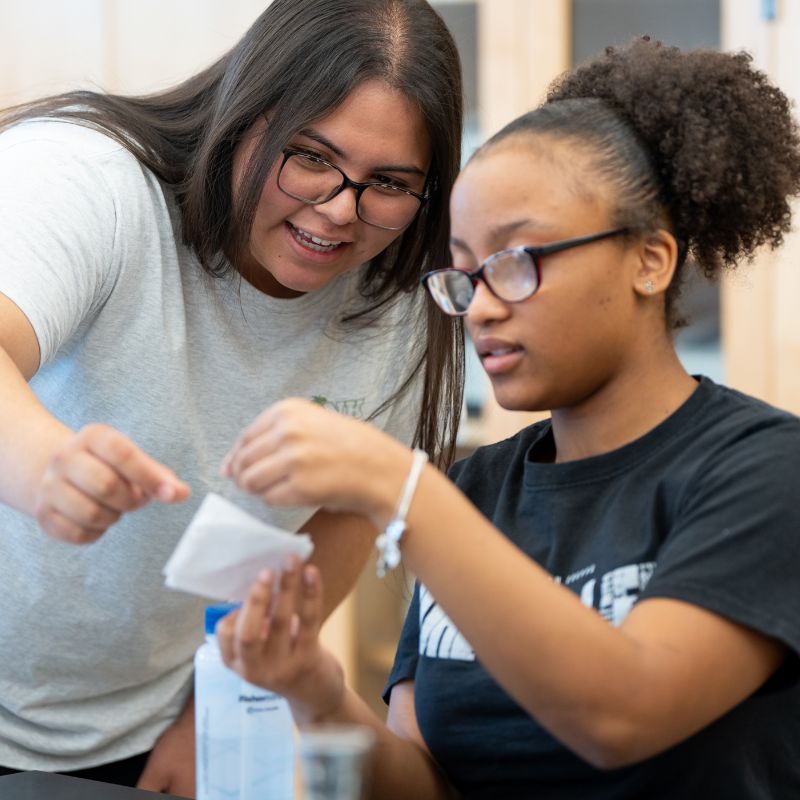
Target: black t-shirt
(705,508)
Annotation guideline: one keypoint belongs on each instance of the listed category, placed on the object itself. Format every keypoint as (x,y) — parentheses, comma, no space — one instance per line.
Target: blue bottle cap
(215,613)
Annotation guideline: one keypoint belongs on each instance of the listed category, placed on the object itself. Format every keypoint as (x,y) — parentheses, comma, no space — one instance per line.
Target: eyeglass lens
(511,276)
(313,181)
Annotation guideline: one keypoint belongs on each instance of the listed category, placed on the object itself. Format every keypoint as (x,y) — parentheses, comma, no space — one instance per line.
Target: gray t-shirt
(96,653)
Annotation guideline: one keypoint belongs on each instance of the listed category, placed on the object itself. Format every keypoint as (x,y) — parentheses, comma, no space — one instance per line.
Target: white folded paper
(224,548)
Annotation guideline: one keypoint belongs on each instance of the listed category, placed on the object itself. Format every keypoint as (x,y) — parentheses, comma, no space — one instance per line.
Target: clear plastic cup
(335,761)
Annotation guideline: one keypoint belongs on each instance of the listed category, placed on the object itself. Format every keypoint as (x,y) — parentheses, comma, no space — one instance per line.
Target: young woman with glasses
(172,265)
(606,603)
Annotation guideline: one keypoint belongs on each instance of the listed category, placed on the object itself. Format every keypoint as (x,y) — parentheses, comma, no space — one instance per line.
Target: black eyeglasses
(313,180)
(511,275)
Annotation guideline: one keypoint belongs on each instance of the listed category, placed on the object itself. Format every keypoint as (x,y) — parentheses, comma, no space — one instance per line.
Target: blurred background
(744,332)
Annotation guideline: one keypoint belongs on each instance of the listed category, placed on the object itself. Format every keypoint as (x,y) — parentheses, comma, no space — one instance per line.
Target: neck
(261,278)
(623,410)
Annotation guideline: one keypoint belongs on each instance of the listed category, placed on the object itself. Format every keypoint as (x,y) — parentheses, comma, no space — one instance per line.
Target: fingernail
(290,564)
(308,577)
(165,492)
(265,576)
(225,466)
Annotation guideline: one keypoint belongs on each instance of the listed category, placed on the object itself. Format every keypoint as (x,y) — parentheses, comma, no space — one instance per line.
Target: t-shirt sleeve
(57,229)
(734,548)
(405,659)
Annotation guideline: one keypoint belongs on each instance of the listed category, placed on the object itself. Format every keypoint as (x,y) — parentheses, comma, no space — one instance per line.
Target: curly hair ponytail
(699,140)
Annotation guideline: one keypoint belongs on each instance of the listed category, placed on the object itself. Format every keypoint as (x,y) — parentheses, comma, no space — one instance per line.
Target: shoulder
(61,148)
(729,419)
(745,406)
(736,455)
(58,136)
(60,169)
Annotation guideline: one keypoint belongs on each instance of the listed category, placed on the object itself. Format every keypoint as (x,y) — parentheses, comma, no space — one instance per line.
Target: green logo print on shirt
(353,408)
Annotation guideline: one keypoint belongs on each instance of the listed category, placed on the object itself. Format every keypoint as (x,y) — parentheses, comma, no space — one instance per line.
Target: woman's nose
(341,209)
(485,307)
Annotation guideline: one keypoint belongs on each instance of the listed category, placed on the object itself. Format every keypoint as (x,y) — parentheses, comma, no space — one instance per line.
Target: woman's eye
(310,161)
(461,263)
(385,180)
(309,154)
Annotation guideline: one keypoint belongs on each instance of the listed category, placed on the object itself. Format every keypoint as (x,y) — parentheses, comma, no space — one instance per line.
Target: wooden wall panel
(523,45)
(760,319)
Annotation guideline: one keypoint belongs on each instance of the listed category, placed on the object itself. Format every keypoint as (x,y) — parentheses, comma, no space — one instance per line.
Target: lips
(498,355)
(488,347)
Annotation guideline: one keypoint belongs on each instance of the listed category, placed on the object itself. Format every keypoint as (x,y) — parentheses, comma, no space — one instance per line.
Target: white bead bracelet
(388,543)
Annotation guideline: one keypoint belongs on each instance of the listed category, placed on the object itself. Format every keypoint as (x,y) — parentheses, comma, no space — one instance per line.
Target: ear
(658,256)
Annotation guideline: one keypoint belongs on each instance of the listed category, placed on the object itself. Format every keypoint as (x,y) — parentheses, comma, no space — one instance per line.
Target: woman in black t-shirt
(615,610)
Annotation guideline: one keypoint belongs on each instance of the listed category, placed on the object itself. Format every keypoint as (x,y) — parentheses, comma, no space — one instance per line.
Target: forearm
(186,717)
(400,768)
(28,436)
(342,544)
(562,662)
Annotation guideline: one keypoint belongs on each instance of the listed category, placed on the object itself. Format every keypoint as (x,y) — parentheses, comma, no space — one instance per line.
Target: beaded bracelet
(388,543)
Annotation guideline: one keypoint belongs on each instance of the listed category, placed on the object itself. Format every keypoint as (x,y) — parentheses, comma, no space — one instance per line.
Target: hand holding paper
(224,548)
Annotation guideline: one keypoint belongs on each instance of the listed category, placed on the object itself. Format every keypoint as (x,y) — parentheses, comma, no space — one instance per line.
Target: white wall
(47,46)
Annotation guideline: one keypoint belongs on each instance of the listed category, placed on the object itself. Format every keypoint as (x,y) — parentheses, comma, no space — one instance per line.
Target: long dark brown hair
(298,61)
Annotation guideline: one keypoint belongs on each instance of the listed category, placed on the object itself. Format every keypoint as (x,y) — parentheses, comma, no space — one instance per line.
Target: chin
(516,402)
(513,394)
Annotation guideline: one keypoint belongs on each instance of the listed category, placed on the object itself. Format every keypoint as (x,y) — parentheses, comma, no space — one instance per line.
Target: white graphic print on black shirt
(619,590)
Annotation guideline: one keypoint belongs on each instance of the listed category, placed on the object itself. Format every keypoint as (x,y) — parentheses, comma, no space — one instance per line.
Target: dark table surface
(50,786)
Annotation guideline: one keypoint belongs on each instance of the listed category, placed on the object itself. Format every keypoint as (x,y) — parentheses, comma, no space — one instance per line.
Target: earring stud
(649,287)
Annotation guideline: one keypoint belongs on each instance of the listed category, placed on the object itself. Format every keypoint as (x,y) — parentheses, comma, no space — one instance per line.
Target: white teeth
(324,242)
(502,351)
(314,242)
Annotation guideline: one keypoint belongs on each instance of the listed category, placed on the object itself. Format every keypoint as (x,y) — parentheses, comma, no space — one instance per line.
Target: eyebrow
(316,136)
(500,233)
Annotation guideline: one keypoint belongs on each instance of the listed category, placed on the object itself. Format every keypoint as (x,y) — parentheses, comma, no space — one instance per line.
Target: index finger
(263,422)
(135,465)
(267,419)
(252,621)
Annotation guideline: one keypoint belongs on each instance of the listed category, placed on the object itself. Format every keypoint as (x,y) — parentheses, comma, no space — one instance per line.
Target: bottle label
(245,739)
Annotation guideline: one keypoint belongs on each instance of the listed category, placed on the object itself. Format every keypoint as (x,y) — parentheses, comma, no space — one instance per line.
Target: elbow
(607,758)
(613,743)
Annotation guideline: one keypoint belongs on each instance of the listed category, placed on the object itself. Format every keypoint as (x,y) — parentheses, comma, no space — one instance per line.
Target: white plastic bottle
(244,734)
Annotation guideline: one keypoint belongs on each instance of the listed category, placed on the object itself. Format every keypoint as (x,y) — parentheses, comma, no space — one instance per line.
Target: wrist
(388,542)
(384,479)
(323,693)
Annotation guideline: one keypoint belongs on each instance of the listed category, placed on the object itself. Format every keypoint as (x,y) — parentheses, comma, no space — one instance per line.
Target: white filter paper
(224,548)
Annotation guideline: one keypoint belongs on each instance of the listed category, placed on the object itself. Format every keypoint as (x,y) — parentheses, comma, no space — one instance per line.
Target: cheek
(578,326)
(272,202)
(600,294)
(374,241)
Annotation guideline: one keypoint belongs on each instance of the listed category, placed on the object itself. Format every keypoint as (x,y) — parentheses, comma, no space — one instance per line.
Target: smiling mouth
(315,243)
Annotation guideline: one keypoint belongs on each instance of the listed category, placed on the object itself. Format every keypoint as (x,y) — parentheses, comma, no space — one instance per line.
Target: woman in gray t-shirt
(171,266)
